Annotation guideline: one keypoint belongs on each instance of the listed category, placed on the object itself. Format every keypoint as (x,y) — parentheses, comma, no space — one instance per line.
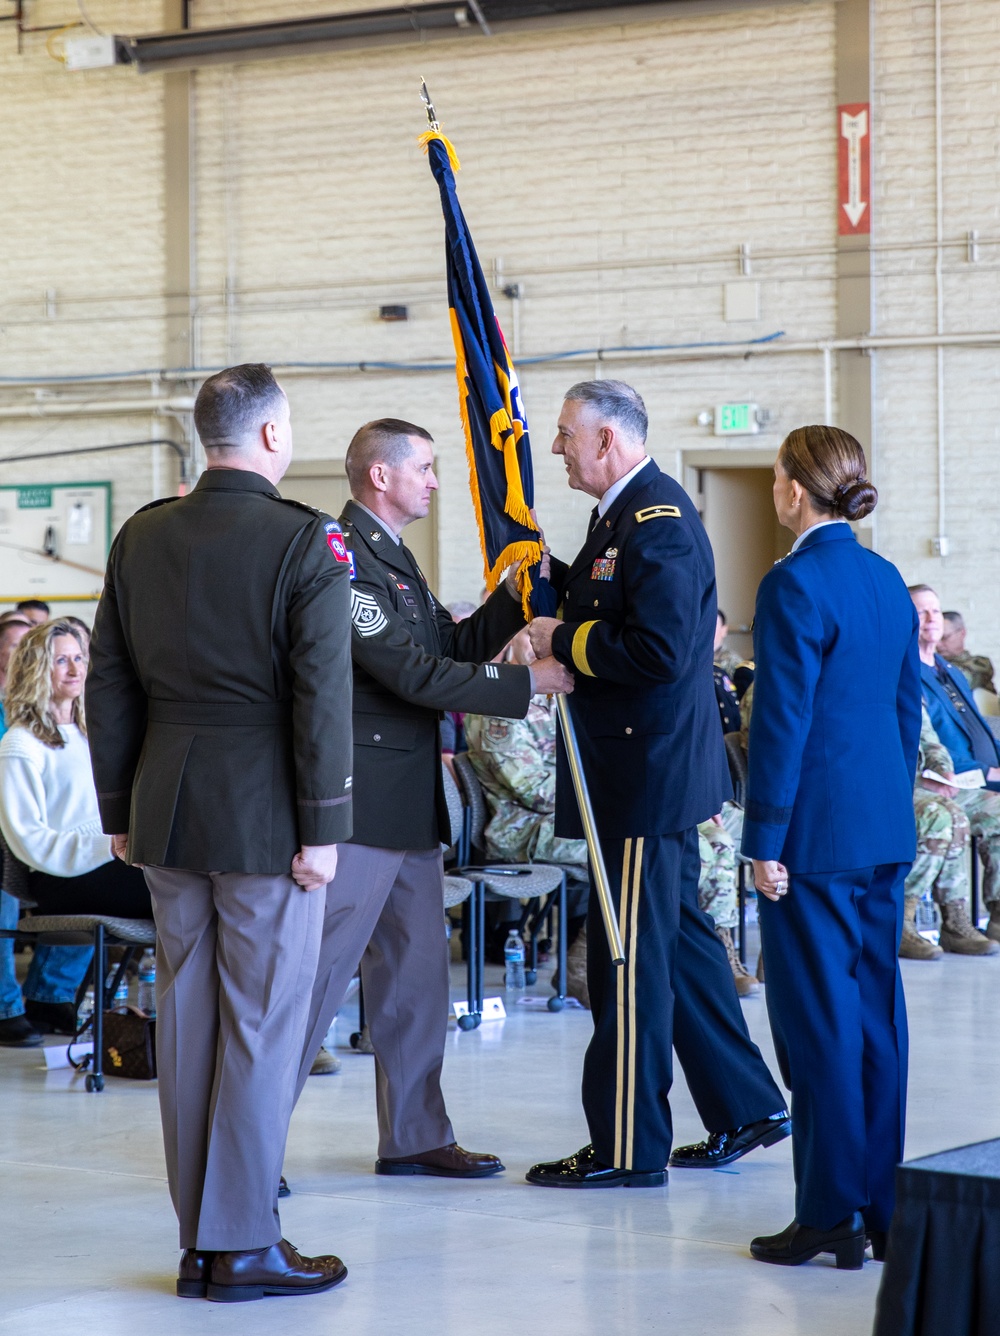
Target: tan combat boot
(911,945)
(993,927)
(576,970)
(958,934)
(746,984)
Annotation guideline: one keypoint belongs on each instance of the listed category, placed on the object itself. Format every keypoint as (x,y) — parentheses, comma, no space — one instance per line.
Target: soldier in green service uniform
(976,667)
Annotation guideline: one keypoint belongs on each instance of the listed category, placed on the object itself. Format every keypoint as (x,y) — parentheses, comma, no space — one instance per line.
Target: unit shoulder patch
(657,513)
(335,542)
(367,614)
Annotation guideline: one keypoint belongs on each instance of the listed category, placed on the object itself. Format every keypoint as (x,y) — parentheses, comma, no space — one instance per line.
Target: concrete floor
(89,1236)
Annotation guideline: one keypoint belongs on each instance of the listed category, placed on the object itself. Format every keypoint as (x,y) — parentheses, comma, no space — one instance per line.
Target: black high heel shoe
(878,1239)
(801,1243)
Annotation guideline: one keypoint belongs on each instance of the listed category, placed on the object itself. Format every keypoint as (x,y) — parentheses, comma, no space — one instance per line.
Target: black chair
(543,885)
(103,931)
(737,759)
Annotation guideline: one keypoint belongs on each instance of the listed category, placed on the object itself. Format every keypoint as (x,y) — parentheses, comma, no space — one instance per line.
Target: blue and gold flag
(496,429)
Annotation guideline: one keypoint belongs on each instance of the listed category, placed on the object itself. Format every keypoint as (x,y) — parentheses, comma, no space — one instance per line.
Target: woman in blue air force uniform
(829,825)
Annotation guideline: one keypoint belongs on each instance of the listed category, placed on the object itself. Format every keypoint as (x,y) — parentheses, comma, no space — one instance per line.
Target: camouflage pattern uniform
(515,761)
(942,863)
(717,893)
(977,668)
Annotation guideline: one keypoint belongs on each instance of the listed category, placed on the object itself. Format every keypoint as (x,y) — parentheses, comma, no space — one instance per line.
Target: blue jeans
(54,975)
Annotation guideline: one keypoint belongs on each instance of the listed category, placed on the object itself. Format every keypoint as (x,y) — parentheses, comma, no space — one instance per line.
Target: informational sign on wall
(854,164)
(54,540)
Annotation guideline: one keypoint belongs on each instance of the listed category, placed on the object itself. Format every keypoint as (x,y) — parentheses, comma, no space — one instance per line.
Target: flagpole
(600,872)
(590,831)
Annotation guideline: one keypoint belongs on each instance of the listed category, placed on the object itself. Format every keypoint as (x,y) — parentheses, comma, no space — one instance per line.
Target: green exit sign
(736,420)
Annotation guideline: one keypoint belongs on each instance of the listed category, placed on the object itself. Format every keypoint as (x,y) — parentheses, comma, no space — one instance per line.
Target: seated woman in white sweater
(48,804)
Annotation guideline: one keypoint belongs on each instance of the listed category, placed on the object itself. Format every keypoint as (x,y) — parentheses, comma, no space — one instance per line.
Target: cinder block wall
(613,170)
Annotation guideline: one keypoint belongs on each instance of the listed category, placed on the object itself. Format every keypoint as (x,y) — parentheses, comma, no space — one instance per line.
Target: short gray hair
(955,618)
(616,403)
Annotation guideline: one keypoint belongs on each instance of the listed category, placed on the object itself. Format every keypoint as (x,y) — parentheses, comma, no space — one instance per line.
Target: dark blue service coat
(638,630)
(836,718)
(833,753)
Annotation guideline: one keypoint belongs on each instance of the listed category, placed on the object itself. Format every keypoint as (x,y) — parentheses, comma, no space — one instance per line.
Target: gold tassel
(425,140)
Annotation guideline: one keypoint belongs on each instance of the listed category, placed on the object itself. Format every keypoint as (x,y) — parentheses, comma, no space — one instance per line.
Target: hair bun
(855,499)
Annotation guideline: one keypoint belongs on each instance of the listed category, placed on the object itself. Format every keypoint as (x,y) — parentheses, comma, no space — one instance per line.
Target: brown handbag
(129,1045)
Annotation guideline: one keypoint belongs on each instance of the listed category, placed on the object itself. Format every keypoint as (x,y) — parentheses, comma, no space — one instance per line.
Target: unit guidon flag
(496,429)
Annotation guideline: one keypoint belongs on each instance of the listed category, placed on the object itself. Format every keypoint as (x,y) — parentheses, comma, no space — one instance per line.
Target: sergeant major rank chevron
(366,614)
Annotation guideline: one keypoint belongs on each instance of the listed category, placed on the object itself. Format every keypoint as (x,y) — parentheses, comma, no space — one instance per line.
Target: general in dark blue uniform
(829,823)
(638,630)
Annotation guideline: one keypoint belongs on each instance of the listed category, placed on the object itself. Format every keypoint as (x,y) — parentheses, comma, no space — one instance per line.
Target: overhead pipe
(95,407)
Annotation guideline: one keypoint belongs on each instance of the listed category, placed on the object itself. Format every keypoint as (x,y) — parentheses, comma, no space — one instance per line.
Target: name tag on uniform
(603,569)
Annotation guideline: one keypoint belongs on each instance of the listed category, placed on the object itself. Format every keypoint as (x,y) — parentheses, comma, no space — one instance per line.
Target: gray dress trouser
(236,964)
(385,908)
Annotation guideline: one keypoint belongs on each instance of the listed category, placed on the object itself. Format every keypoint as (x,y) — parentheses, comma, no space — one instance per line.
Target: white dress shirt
(616,488)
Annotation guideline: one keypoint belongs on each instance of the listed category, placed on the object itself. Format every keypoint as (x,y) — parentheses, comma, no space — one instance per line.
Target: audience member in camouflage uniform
(977,668)
(941,867)
(981,809)
(718,893)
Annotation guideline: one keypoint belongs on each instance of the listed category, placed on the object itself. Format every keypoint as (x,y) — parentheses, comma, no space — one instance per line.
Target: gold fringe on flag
(429,135)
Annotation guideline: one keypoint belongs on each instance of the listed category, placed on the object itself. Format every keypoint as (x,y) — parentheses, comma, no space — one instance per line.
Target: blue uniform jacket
(948,723)
(638,632)
(836,711)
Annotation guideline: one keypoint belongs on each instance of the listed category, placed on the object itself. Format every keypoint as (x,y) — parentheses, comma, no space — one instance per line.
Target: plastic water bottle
(86,1012)
(147,983)
(120,1000)
(513,959)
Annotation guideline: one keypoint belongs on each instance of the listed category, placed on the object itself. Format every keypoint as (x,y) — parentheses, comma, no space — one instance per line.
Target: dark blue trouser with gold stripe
(675,990)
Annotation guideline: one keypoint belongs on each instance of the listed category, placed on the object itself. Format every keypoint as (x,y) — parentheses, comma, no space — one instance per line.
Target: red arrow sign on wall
(854,194)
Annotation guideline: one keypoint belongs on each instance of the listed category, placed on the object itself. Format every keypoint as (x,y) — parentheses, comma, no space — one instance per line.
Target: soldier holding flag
(637,631)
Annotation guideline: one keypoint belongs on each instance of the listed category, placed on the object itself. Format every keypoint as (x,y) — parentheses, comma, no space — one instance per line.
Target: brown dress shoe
(192,1274)
(239,1276)
(447,1162)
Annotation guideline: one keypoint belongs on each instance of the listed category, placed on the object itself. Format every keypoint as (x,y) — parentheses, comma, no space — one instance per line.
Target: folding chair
(535,882)
(100,930)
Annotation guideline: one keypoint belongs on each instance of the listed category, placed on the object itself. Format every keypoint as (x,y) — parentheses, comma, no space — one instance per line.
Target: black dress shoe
(237,1277)
(283,1189)
(585,1170)
(52,1017)
(192,1274)
(724,1147)
(447,1162)
(800,1243)
(18,1032)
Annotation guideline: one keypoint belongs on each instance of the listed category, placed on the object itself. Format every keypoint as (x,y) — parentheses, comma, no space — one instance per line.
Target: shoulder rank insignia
(657,513)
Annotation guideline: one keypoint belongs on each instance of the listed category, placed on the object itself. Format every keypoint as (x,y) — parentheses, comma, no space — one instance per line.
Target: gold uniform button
(596,603)
(628,730)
